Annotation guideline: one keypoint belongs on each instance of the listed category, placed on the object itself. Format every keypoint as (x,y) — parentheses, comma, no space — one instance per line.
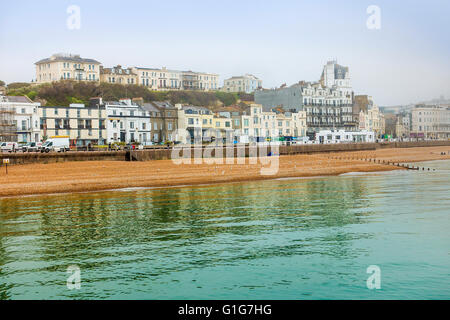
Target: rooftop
(67,57)
(19,99)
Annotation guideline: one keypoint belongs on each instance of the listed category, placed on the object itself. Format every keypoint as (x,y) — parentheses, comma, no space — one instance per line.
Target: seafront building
(341,136)
(169,120)
(157,122)
(67,67)
(19,119)
(195,120)
(260,125)
(372,120)
(127,122)
(403,125)
(247,83)
(336,76)
(328,103)
(430,122)
(83,125)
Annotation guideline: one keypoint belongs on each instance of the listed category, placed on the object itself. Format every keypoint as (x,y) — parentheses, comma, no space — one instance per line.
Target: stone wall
(164,154)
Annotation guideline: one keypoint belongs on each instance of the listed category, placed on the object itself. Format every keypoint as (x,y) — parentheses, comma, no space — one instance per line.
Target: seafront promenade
(85,176)
(166,153)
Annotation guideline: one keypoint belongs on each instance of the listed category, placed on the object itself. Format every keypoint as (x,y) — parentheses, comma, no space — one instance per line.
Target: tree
(2,83)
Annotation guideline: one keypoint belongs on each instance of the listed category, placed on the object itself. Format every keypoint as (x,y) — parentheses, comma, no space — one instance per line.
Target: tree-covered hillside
(63,93)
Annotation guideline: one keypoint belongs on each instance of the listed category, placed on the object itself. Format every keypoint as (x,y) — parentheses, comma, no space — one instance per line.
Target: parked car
(9,146)
(58,144)
(31,147)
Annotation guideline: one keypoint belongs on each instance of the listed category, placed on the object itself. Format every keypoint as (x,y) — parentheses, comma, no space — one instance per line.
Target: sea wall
(243,151)
(37,157)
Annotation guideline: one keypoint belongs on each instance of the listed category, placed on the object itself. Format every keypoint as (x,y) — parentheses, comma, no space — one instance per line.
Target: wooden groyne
(383,162)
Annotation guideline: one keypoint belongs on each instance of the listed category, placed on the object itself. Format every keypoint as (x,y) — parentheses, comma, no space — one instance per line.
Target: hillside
(63,93)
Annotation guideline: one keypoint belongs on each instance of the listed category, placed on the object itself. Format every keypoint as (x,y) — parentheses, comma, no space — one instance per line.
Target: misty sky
(406,61)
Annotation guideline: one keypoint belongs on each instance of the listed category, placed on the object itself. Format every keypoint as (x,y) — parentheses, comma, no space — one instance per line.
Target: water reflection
(141,236)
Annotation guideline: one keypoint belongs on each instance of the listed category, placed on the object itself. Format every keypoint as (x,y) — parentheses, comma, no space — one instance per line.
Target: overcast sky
(405,61)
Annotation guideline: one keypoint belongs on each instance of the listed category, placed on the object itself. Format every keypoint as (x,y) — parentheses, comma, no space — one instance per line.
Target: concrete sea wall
(161,154)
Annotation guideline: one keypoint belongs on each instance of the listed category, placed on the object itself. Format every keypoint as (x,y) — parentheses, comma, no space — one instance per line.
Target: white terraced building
(430,121)
(25,117)
(127,122)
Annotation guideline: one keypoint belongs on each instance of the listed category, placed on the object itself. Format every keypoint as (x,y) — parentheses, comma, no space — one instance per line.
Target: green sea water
(275,239)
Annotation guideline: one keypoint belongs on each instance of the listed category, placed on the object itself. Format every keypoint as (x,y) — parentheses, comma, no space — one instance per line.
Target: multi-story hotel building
(326,108)
(118,75)
(336,76)
(247,83)
(83,125)
(328,103)
(21,118)
(67,67)
(430,121)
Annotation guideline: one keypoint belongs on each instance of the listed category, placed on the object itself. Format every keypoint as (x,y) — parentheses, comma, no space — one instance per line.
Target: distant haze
(406,61)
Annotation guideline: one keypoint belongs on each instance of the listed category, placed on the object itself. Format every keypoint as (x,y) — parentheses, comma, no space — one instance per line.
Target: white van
(9,146)
(58,144)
